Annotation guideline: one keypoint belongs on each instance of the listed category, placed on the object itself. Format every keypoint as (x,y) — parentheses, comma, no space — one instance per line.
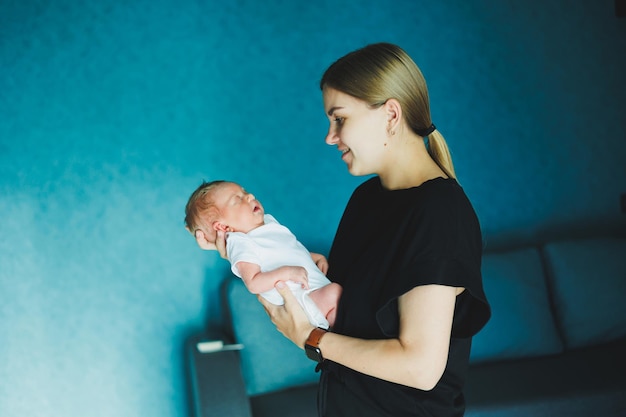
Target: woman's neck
(409,165)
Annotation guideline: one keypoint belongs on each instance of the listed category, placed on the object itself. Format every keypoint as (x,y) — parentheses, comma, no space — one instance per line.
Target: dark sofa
(555,345)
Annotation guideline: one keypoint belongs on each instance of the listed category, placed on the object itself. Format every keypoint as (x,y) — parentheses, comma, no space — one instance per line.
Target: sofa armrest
(216,382)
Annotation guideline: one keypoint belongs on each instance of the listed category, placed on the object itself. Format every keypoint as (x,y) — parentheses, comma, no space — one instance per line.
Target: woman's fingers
(202,241)
(220,243)
(289,319)
(287,295)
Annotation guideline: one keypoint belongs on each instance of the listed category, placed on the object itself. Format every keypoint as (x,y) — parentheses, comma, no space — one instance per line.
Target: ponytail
(438,150)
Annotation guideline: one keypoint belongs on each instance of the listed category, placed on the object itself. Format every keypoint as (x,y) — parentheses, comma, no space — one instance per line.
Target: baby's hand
(320,261)
(295,274)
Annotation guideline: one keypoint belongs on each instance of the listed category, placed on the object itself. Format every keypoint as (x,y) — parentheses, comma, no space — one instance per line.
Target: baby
(262,251)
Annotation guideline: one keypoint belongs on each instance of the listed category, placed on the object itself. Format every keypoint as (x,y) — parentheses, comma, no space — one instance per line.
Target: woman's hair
(381,71)
(201,209)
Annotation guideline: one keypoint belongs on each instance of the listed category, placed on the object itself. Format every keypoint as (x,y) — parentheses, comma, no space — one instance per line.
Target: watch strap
(315,336)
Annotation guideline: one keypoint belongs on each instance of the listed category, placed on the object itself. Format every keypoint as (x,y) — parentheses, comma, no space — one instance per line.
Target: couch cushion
(577,383)
(521,323)
(269,361)
(589,281)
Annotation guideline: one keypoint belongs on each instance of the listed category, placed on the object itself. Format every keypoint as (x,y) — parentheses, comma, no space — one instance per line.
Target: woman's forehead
(337,100)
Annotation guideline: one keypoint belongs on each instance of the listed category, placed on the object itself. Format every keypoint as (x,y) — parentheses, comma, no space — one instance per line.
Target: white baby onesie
(271,246)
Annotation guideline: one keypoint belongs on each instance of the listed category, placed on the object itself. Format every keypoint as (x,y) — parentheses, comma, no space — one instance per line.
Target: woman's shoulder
(442,191)
(366,191)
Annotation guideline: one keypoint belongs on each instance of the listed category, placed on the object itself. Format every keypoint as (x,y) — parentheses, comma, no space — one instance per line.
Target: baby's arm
(258,282)
(320,261)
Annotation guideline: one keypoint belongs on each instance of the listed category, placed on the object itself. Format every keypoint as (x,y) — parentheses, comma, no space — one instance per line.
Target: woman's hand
(219,245)
(289,319)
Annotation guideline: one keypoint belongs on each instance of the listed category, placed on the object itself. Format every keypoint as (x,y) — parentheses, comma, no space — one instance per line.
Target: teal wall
(112,112)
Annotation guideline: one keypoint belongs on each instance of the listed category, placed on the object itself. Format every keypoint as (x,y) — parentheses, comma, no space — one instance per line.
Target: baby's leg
(326,299)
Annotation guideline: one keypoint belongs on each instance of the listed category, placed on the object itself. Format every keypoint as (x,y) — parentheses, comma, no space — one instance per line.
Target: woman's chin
(356,172)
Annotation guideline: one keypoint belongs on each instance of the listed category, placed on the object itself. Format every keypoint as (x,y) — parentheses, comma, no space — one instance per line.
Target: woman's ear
(393,111)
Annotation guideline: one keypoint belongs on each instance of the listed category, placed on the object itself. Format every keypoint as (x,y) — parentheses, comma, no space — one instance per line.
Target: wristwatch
(311,346)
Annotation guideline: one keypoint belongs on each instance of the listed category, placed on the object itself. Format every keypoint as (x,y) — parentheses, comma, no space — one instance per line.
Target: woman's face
(359,131)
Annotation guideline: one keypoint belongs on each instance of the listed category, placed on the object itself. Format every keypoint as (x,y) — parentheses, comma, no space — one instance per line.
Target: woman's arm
(417,358)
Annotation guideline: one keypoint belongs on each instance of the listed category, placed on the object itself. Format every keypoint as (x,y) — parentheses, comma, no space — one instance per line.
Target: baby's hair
(198,209)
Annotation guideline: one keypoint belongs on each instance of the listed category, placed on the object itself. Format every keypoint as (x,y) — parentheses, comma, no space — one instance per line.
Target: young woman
(407,252)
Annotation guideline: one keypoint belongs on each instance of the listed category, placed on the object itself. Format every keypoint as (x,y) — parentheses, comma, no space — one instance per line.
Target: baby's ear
(219,226)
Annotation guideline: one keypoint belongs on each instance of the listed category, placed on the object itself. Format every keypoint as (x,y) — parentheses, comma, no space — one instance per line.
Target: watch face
(313,353)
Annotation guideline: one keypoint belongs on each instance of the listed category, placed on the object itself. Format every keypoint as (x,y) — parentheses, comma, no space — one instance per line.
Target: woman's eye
(338,120)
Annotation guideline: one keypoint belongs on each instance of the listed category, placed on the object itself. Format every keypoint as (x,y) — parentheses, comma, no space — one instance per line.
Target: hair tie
(425,132)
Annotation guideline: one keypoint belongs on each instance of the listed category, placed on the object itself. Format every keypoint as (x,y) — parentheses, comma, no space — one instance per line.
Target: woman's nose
(331,137)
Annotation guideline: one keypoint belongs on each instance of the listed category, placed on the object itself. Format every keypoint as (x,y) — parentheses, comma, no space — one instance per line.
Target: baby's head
(222,205)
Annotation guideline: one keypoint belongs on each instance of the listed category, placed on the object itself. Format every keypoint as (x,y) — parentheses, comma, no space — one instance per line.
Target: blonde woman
(407,252)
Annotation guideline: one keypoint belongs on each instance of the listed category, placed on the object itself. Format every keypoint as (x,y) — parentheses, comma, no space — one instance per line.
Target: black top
(387,243)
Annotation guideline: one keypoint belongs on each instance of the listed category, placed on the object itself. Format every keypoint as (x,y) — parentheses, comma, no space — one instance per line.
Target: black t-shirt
(387,243)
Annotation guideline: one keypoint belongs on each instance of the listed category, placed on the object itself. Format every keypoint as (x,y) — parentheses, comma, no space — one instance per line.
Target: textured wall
(111,113)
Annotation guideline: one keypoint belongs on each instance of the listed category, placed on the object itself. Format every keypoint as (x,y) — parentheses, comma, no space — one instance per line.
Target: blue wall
(112,112)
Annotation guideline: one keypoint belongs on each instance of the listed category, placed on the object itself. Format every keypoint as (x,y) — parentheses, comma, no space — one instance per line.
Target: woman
(407,252)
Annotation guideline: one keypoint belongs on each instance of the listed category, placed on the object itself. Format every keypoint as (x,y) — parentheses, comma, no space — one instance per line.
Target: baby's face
(239,210)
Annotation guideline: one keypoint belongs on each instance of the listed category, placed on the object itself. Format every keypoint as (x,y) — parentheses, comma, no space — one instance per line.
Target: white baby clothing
(271,246)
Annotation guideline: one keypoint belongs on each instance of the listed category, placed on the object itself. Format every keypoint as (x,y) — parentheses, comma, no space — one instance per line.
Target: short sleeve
(471,311)
(444,247)
(241,248)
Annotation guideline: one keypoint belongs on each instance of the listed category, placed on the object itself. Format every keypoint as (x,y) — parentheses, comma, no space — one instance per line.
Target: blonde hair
(200,210)
(381,71)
